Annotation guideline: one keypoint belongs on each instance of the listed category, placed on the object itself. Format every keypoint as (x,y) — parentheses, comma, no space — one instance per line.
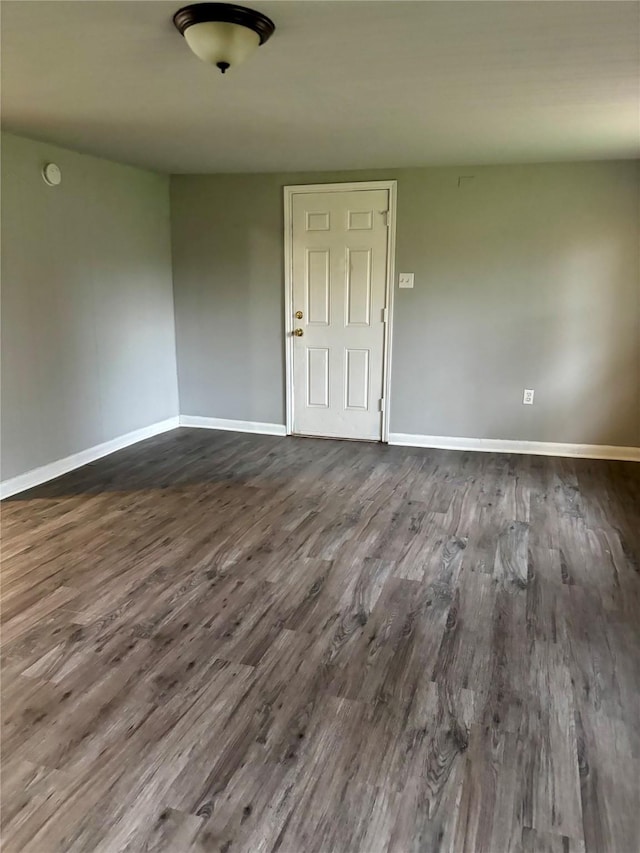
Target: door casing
(289,193)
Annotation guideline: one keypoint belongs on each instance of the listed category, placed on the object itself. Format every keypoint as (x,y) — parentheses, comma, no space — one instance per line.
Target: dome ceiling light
(221,33)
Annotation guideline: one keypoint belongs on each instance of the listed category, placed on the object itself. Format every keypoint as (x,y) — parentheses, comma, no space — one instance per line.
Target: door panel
(358,287)
(339,245)
(357,379)
(318,287)
(318,377)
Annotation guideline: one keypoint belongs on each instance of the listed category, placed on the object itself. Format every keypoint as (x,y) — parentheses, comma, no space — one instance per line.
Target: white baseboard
(232,426)
(536,448)
(44,473)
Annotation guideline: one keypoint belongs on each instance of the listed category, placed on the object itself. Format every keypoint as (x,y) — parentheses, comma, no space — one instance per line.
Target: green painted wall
(525,277)
(88,342)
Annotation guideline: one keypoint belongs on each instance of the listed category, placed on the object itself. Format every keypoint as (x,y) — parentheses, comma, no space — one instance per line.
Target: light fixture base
(200,13)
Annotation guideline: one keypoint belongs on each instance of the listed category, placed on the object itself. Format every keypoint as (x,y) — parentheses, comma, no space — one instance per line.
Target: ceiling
(340,85)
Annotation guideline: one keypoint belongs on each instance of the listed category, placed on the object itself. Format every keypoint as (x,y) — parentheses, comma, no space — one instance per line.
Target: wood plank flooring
(225,642)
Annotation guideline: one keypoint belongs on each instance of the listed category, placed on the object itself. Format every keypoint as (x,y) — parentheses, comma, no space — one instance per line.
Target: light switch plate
(405,279)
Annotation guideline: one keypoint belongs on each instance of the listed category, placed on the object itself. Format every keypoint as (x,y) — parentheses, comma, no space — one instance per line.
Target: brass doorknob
(298,333)
(298,315)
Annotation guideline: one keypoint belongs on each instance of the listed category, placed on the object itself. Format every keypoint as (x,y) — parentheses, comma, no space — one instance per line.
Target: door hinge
(385,217)
(381,404)
(385,315)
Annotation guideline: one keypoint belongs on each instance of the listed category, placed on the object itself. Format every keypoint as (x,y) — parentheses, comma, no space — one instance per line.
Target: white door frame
(289,193)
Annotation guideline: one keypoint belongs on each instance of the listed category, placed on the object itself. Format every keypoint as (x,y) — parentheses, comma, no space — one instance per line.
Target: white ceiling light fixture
(221,33)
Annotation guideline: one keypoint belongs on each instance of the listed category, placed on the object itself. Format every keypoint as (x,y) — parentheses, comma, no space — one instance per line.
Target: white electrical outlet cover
(527,397)
(405,279)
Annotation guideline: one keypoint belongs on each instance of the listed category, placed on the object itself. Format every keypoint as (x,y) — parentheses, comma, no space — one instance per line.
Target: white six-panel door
(339,271)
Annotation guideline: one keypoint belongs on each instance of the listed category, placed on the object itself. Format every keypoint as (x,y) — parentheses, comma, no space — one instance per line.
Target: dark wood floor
(224,642)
